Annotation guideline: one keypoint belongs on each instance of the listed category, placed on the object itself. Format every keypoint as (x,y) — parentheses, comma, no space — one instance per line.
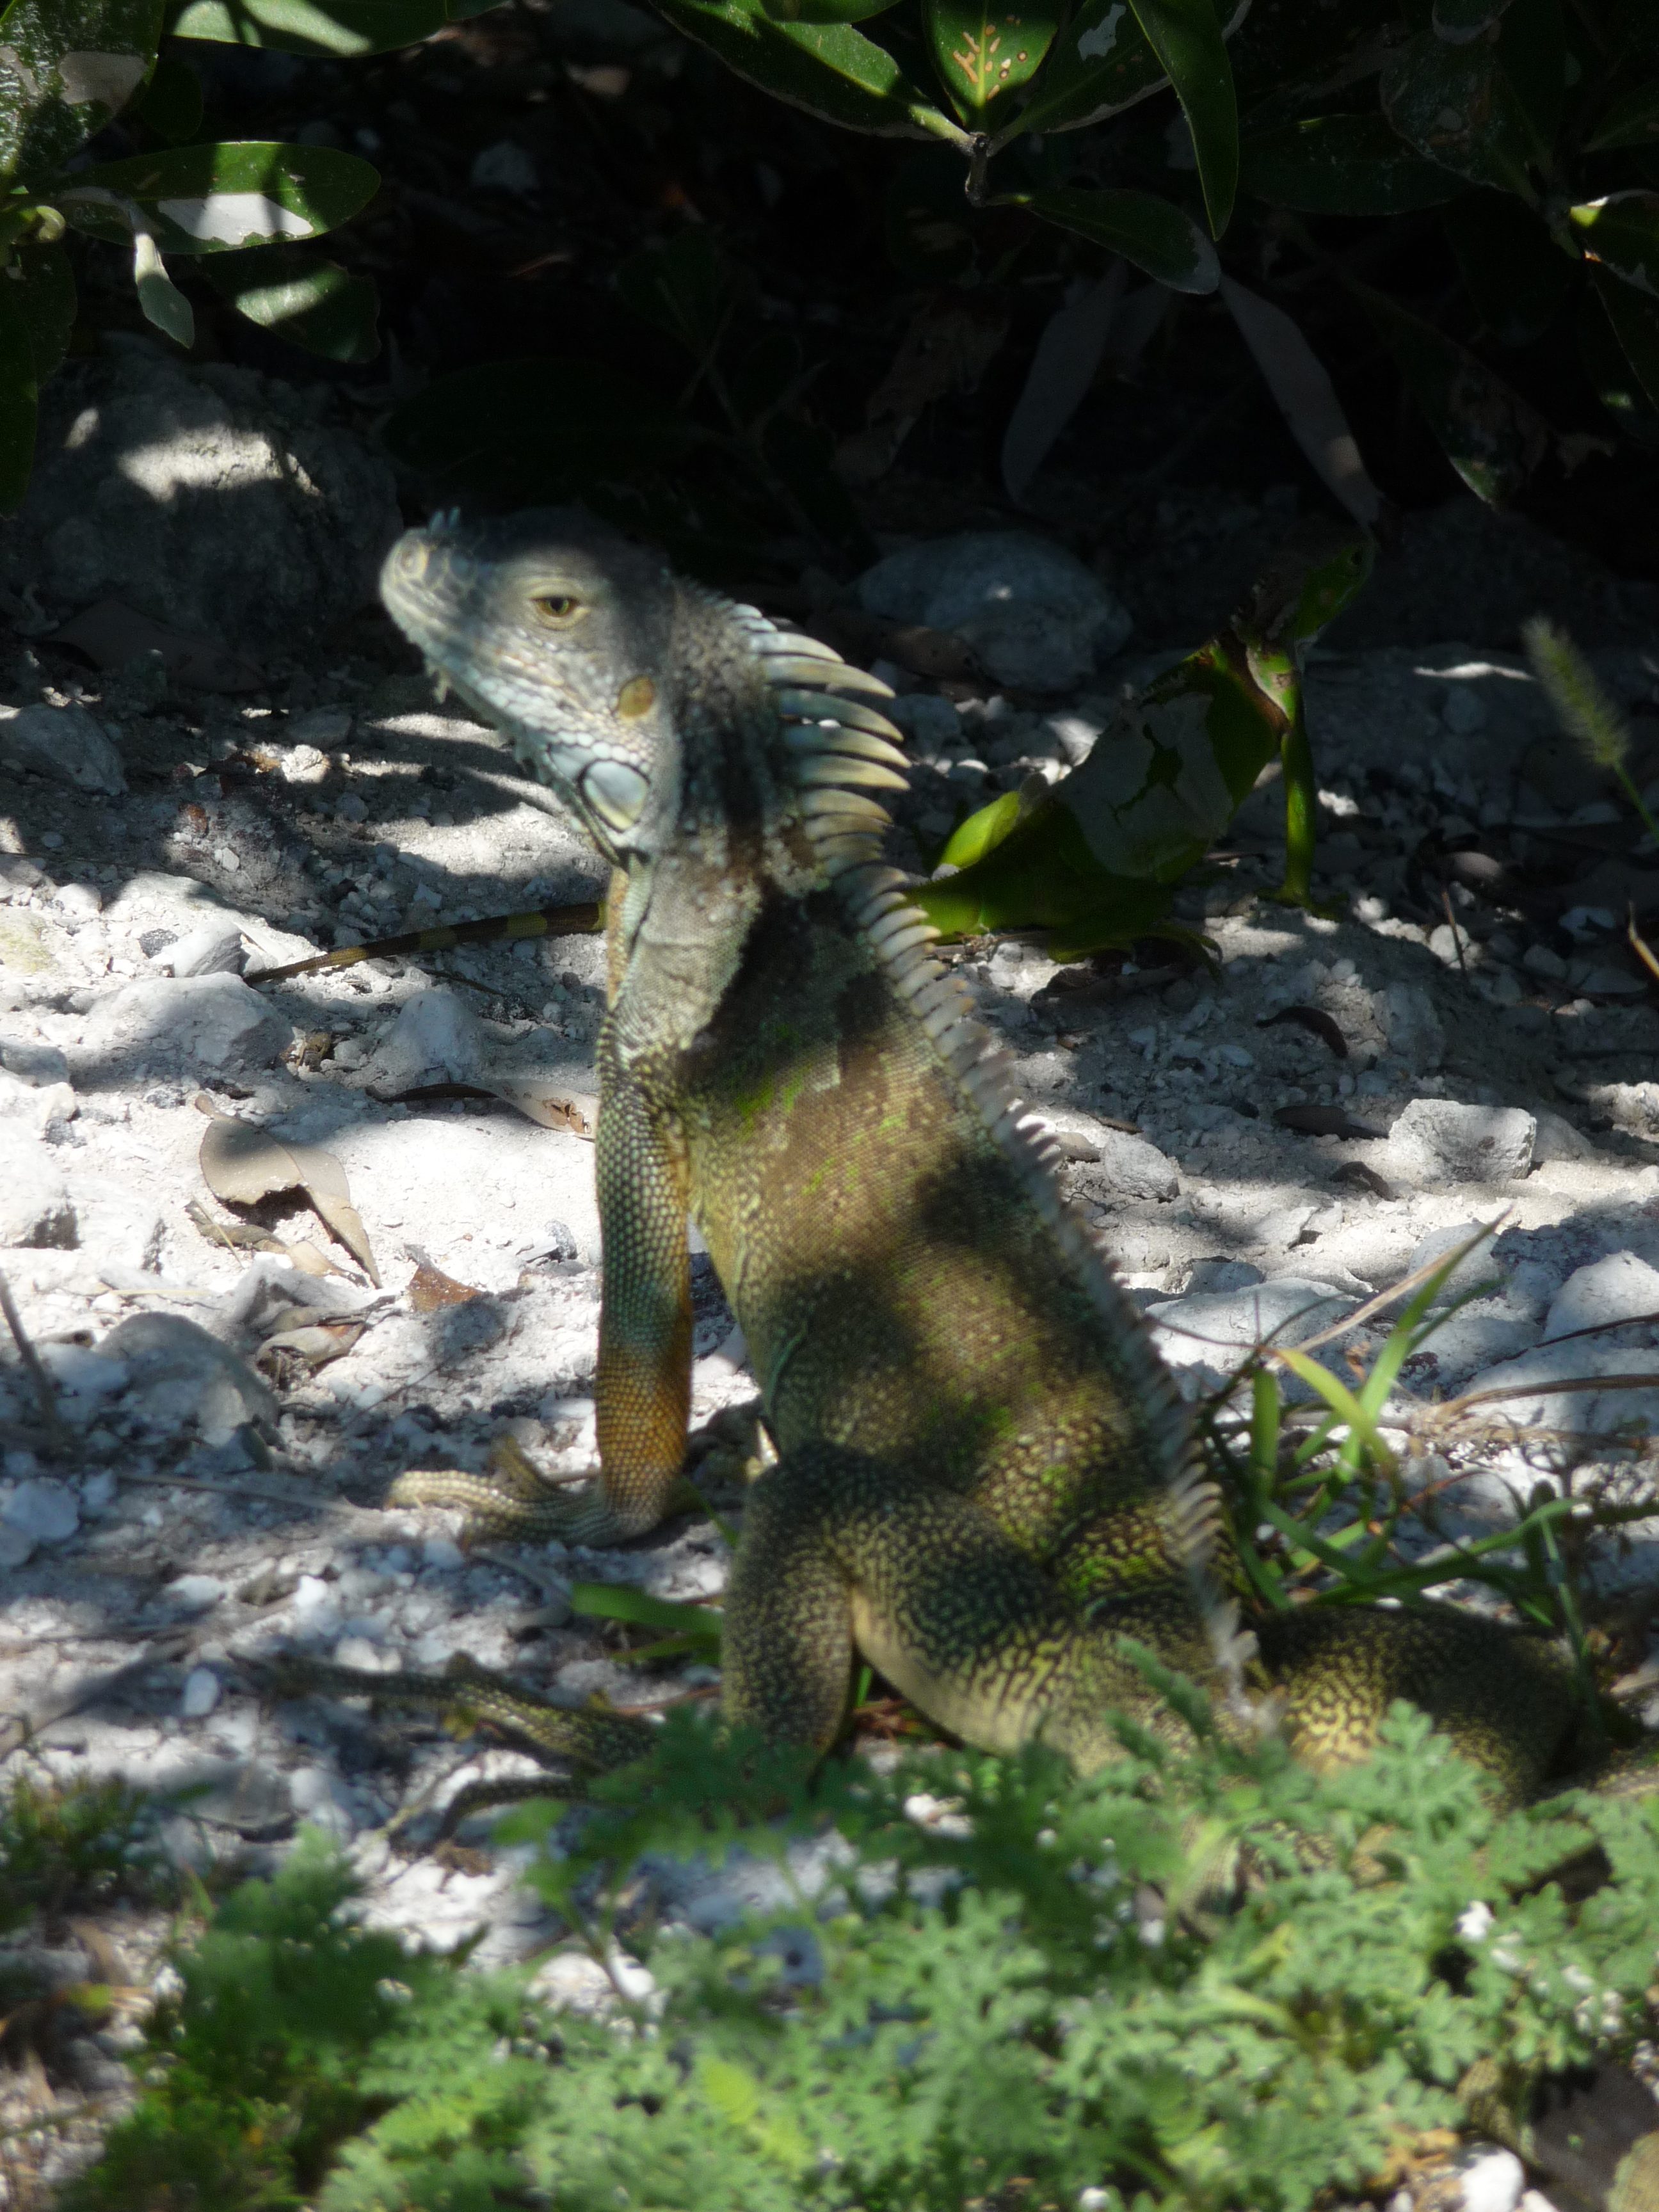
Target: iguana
(986,1474)
(1095,857)
(986,1483)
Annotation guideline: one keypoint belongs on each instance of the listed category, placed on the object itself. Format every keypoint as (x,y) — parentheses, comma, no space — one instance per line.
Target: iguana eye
(558,610)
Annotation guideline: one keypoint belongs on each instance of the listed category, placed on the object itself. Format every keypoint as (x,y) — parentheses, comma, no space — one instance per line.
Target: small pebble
(200,1693)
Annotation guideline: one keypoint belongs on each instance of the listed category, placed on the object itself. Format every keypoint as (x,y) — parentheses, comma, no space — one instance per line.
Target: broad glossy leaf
(1069,353)
(1457,107)
(39,288)
(218,198)
(1518,278)
(17,403)
(828,68)
(66,67)
(826,11)
(1092,858)
(1188,39)
(1457,21)
(297,295)
(1635,322)
(1289,56)
(1622,233)
(1633,120)
(343,28)
(1151,233)
(172,105)
(1619,346)
(1532,50)
(1342,165)
(1305,397)
(1490,436)
(984,51)
(1102,63)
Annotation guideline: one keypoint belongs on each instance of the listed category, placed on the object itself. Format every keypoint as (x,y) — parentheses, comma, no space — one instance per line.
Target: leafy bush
(76,1846)
(1006,1972)
(1473,177)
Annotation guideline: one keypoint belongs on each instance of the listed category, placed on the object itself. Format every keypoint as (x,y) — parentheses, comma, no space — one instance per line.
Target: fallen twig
(44,1389)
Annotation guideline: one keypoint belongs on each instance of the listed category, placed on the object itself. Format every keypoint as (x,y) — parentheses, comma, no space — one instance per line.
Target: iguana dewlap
(985,1475)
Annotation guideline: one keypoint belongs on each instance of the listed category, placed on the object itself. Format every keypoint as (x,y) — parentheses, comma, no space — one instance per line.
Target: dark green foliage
(260,2055)
(1006,1971)
(72,65)
(70,1848)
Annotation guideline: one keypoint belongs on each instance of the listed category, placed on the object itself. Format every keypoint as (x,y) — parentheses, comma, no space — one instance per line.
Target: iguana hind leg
(842,1552)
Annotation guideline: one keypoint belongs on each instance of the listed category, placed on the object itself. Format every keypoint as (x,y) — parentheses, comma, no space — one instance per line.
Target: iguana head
(661,713)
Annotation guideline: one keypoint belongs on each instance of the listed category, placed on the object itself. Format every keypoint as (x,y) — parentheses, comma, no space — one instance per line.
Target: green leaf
(295,295)
(1151,233)
(1188,40)
(1289,56)
(622,1601)
(828,68)
(981,832)
(1101,64)
(1092,858)
(39,286)
(1342,165)
(1631,121)
(343,28)
(826,11)
(1634,320)
(66,67)
(1457,21)
(172,105)
(1532,49)
(1518,278)
(1608,364)
(1490,434)
(219,198)
(984,51)
(17,401)
(1457,106)
(1622,233)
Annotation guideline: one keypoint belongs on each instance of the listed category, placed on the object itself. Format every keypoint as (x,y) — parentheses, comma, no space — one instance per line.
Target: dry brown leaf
(242,1164)
(429,1288)
(950,342)
(548,1108)
(309,1347)
(110,633)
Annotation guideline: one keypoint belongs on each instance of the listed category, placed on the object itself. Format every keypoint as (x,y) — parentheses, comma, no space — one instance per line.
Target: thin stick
(44,1390)
(1457,935)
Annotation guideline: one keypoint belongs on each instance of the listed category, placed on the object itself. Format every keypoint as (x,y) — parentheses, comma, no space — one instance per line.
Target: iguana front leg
(643,1387)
